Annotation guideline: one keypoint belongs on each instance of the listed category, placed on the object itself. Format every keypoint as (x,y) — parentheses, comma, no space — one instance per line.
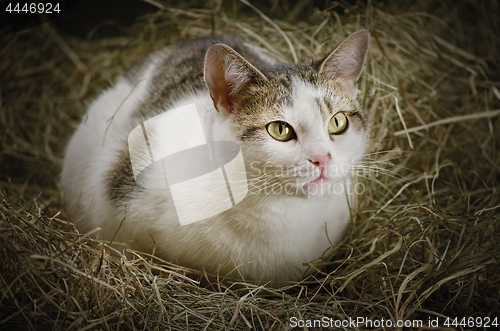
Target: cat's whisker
(377,171)
(377,180)
(386,167)
(386,163)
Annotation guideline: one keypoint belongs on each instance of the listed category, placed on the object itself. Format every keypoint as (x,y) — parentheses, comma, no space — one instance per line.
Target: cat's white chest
(283,233)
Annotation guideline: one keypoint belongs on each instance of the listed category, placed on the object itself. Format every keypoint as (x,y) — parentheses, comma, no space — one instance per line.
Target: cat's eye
(337,124)
(281,131)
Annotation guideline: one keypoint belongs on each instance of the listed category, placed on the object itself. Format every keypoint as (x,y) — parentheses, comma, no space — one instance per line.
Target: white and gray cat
(300,130)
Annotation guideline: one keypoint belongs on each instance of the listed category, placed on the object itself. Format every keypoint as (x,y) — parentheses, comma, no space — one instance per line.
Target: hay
(423,242)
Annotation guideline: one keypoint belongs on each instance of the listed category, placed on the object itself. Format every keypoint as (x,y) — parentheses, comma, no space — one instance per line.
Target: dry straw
(423,241)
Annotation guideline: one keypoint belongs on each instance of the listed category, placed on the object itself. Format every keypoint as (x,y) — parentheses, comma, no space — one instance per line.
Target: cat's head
(300,126)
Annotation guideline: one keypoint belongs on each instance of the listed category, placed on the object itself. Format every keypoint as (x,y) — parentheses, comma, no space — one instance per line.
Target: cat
(300,130)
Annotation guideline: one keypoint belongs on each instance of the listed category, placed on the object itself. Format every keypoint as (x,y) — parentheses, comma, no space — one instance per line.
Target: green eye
(337,124)
(280,131)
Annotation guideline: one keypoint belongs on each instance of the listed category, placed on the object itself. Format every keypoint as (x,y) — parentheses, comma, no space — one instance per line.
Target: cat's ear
(347,60)
(226,72)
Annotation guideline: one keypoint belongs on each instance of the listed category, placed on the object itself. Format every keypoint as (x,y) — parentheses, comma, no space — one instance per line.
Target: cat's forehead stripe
(328,103)
(304,110)
(358,120)
(249,133)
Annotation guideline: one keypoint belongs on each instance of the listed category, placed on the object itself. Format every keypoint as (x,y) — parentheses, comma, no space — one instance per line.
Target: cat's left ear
(347,60)
(226,73)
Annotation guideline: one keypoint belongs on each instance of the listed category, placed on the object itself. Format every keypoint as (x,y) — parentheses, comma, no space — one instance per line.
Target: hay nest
(423,241)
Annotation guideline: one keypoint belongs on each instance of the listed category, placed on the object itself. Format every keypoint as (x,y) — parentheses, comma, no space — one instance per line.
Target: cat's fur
(271,233)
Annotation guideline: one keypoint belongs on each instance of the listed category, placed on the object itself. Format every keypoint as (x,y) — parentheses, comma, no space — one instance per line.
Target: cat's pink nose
(320,160)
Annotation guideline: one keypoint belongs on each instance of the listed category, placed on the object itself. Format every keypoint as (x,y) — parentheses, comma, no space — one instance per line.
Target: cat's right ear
(226,72)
